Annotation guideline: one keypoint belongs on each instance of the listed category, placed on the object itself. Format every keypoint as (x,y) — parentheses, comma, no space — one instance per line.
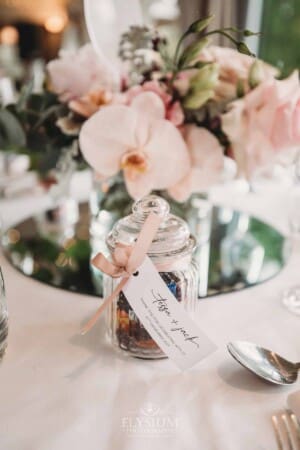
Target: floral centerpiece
(156,122)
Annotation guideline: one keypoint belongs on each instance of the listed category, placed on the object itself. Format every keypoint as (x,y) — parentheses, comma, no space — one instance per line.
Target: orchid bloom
(90,103)
(207,161)
(75,74)
(138,140)
(173,110)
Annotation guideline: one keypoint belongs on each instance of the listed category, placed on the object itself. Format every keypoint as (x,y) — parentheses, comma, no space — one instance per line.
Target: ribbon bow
(125,261)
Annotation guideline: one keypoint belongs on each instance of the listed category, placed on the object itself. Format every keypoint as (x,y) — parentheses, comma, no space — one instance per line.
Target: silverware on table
(287,430)
(264,363)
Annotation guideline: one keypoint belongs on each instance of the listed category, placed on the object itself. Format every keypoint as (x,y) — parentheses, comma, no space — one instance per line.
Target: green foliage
(201,87)
(242,48)
(199,25)
(29,127)
(117,200)
(281,35)
(12,135)
(192,52)
(188,55)
(245,33)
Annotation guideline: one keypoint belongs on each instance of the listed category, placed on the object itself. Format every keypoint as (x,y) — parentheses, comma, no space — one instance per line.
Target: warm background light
(55,23)
(33,11)
(9,35)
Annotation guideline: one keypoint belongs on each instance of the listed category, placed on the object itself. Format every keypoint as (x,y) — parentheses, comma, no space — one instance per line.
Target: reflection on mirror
(234,251)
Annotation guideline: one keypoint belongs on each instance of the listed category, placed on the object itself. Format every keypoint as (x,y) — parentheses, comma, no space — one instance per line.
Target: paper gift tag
(165,318)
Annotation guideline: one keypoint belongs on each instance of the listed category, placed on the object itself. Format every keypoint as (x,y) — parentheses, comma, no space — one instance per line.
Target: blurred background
(32,32)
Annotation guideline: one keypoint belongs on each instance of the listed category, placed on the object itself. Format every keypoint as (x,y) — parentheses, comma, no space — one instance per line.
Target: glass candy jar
(172,247)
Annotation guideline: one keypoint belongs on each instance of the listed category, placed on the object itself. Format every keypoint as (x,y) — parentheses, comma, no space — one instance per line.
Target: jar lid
(173,238)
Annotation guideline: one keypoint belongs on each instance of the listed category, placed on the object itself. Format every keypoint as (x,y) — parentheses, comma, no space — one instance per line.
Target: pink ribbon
(125,261)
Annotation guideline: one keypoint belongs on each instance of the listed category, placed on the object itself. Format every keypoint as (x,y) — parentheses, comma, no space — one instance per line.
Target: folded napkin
(293,402)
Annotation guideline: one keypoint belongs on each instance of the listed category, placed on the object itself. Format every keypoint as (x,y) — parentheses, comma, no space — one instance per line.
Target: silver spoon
(264,363)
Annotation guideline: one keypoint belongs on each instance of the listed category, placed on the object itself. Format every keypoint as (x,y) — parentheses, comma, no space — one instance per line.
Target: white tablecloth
(63,391)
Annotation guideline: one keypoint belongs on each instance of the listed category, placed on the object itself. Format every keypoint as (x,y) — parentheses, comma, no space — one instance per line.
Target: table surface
(60,390)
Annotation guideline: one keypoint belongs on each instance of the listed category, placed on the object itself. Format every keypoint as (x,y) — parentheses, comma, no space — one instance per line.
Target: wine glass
(3,318)
(3,308)
(291,295)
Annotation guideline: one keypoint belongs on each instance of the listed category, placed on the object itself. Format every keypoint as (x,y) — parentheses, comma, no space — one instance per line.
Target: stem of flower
(223,33)
(179,45)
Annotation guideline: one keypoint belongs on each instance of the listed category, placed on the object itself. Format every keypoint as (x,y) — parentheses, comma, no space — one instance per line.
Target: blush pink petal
(170,159)
(296,121)
(175,114)
(287,88)
(282,136)
(200,138)
(170,111)
(233,67)
(106,135)
(154,86)
(148,106)
(117,133)
(207,163)
(253,156)
(140,186)
(263,123)
(74,74)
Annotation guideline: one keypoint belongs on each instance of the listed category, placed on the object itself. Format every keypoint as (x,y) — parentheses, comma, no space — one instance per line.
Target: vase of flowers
(167,123)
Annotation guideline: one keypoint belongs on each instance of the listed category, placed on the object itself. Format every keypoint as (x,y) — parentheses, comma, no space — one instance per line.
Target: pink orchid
(173,110)
(75,74)
(138,140)
(263,123)
(207,163)
(90,103)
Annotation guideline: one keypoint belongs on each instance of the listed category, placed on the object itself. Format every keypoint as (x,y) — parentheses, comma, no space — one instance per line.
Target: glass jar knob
(152,203)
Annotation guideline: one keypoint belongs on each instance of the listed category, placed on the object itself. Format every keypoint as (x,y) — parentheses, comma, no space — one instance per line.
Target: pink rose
(74,75)
(234,67)
(137,140)
(264,122)
(207,163)
(173,110)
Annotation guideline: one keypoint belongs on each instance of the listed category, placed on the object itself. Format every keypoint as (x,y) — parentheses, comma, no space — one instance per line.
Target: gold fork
(287,430)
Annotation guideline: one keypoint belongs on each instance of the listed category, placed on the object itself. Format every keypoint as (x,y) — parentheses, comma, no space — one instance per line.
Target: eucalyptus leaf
(192,52)
(200,25)
(12,134)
